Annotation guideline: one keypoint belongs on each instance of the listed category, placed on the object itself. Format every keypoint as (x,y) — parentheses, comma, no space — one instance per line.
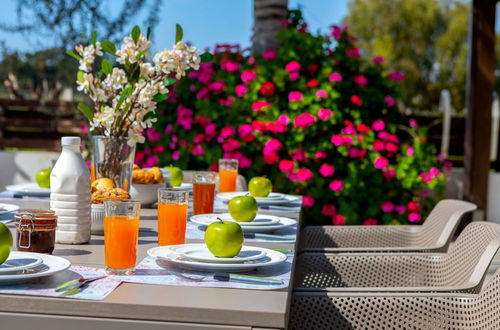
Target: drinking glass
(121,232)
(203,192)
(228,173)
(172,216)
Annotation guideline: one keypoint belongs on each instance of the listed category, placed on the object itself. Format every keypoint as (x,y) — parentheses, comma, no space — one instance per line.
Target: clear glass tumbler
(172,216)
(228,173)
(203,192)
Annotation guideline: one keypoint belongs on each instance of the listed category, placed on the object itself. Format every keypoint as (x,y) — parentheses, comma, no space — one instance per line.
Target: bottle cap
(70,141)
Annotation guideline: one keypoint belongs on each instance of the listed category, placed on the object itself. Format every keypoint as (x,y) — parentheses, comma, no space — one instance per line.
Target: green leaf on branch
(109,47)
(106,67)
(124,94)
(206,57)
(178,33)
(140,54)
(136,33)
(74,55)
(87,112)
(150,115)
(160,97)
(169,81)
(79,76)
(93,38)
(148,34)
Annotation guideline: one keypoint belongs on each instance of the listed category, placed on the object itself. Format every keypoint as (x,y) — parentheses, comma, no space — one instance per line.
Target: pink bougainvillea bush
(315,117)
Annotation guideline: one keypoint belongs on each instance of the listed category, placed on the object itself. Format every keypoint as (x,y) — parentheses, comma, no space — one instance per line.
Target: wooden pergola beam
(480,84)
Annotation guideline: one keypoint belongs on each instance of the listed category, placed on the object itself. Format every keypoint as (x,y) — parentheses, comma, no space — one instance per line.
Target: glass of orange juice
(121,232)
(172,216)
(203,192)
(228,173)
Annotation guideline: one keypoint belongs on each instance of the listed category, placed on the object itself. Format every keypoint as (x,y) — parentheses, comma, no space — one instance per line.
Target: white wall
(21,166)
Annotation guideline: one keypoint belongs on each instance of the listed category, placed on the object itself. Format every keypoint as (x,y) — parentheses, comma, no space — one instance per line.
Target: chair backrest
(443,220)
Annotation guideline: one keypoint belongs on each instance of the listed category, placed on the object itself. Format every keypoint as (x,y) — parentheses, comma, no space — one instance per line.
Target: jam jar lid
(33,219)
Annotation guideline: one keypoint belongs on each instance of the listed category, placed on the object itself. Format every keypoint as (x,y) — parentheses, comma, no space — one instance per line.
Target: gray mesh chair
(322,311)
(461,269)
(433,236)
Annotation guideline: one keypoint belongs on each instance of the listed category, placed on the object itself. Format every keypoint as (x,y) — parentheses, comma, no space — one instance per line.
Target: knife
(268,237)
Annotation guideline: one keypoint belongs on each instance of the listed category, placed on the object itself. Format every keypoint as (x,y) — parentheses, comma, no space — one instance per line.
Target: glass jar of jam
(36,230)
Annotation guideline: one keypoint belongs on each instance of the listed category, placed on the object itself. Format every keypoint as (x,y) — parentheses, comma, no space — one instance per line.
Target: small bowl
(146,193)
(97,218)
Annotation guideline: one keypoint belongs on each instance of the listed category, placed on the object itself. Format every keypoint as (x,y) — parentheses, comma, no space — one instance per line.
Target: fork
(228,277)
(73,286)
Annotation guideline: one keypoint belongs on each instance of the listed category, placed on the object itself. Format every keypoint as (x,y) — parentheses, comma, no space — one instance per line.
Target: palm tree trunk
(268,15)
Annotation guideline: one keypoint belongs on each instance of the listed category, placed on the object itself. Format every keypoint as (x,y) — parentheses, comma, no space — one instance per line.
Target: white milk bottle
(70,194)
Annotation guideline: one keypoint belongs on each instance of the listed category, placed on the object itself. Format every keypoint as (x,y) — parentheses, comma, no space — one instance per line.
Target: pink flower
(353,52)
(153,135)
(294,75)
(324,114)
(269,54)
(414,217)
(413,206)
(390,101)
(176,155)
(248,75)
(322,94)
(337,31)
(230,66)
(251,60)
(356,100)
(335,77)
(400,209)
(357,152)
(272,145)
(326,170)
(299,155)
(227,131)
(336,185)
(159,149)
(360,80)
(337,140)
(320,154)
(389,173)
(292,66)
(304,175)
(286,166)
(378,146)
(304,120)
(396,76)
(381,162)
(169,129)
(245,130)
(338,220)
(230,145)
(259,105)
(378,59)
(391,147)
(378,125)
(245,162)
(413,123)
(198,138)
(328,210)
(387,207)
(308,201)
(151,161)
(410,151)
(271,158)
(217,86)
(241,90)
(294,96)
(283,120)
(198,150)
(370,222)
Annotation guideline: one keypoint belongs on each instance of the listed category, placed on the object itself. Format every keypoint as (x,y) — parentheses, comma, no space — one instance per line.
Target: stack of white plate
(262,223)
(24,266)
(198,257)
(29,189)
(271,199)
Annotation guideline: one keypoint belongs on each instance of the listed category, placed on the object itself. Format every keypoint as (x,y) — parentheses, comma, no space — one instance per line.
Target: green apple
(43,178)
(176,175)
(243,208)
(5,242)
(224,239)
(260,186)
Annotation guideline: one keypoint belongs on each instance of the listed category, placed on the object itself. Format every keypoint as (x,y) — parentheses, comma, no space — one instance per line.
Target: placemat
(96,290)
(149,272)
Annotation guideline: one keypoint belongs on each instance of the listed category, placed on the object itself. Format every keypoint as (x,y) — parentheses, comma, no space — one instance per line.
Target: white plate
(283,223)
(29,189)
(20,260)
(164,254)
(272,200)
(260,219)
(50,266)
(200,252)
(7,208)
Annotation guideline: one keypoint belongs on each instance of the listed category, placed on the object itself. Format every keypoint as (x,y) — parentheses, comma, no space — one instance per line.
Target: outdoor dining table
(141,306)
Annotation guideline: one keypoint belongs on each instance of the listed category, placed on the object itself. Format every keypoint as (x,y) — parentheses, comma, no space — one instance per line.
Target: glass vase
(113,158)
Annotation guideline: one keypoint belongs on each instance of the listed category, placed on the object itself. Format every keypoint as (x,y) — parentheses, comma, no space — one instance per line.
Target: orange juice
(203,198)
(120,241)
(172,218)
(227,180)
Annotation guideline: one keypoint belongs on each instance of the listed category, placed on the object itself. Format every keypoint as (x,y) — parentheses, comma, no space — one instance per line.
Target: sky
(205,22)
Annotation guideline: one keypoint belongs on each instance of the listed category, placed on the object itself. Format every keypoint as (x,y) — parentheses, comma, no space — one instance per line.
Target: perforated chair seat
(433,236)
(461,269)
(322,311)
